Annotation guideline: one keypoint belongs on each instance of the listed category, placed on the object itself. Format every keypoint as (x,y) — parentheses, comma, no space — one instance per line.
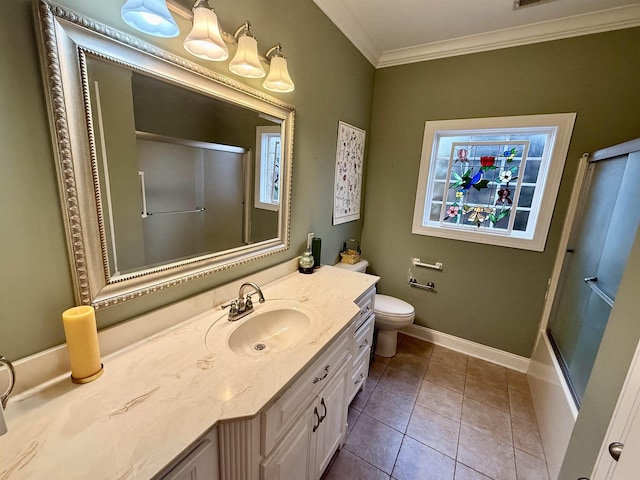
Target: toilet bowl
(391,314)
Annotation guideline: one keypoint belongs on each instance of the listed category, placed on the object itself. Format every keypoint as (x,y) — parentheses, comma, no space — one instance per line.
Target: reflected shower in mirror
(176,171)
(168,171)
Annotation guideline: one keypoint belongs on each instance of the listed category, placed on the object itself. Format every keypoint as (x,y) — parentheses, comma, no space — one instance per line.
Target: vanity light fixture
(278,79)
(150,16)
(246,62)
(205,40)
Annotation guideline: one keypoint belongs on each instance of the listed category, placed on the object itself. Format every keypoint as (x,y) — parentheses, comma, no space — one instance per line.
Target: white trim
(621,420)
(585,24)
(548,180)
(343,18)
(490,354)
(261,131)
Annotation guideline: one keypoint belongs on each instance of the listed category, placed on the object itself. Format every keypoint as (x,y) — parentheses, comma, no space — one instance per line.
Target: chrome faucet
(242,305)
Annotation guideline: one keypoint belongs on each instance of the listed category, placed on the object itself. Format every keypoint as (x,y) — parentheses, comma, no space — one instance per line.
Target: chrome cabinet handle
(325,410)
(590,279)
(365,311)
(366,342)
(360,379)
(315,426)
(615,450)
(326,372)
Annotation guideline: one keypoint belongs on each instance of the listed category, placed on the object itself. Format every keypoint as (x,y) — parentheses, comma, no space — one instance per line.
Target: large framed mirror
(167,171)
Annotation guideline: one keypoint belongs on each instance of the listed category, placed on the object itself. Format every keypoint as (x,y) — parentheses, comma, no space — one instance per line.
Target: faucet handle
(261,298)
(234,307)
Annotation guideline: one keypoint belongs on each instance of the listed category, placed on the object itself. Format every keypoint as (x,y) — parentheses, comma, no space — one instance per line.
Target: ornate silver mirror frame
(66,38)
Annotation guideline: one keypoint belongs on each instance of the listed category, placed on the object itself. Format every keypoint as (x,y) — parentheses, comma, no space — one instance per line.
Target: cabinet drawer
(366,304)
(363,340)
(358,377)
(287,408)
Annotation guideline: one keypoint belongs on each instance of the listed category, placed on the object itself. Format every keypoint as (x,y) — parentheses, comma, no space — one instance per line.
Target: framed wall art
(348,179)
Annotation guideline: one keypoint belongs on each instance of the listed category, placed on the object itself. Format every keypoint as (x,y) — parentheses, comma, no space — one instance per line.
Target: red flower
(487,161)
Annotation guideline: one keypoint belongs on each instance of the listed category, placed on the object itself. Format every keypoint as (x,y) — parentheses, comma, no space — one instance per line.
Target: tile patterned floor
(432,413)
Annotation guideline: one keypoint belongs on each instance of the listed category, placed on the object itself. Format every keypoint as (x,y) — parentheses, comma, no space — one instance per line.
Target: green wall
(591,75)
(333,82)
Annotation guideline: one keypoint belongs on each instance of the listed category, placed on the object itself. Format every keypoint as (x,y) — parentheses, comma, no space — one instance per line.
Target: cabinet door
(199,464)
(292,459)
(333,413)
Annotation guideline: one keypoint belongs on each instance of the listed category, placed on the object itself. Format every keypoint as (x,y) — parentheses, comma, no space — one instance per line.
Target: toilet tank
(361,266)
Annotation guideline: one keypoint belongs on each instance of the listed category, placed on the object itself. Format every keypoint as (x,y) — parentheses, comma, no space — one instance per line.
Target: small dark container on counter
(305,264)
(316,247)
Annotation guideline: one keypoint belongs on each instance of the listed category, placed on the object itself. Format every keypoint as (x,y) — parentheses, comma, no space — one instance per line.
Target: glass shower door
(601,239)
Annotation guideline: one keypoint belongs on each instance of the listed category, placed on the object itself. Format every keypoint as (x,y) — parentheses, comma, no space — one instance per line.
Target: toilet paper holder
(425,286)
(411,280)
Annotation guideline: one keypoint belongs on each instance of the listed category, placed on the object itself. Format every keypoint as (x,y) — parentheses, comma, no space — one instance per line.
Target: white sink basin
(269,331)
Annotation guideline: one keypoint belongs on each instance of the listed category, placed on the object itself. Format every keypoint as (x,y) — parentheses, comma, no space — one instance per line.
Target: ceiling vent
(528,3)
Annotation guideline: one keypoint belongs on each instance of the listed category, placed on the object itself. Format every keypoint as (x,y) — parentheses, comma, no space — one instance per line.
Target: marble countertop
(158,396)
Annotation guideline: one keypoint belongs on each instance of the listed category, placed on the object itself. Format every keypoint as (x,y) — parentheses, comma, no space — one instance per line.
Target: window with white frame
(268,154)
(492,180)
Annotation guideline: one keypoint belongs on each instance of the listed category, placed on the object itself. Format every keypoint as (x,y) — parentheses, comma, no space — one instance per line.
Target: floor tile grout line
(366,461)
(415,403)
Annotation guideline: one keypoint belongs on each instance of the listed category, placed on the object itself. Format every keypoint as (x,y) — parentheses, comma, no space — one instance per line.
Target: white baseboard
(490,354)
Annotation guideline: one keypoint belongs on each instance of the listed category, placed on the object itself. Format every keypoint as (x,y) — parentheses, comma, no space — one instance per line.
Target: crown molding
(348,24)
(585,24)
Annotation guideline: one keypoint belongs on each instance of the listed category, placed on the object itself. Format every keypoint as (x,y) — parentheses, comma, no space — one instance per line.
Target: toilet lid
(392,307)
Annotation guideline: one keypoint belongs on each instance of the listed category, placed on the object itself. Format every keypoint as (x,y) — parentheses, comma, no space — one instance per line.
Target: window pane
(442,167)
(503,223)
(522,218)
(526,196)
(536,147)
(531,171)
(438,191)
(444,146)
(435,212)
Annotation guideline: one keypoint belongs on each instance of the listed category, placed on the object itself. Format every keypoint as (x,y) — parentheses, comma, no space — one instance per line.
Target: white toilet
(391,313)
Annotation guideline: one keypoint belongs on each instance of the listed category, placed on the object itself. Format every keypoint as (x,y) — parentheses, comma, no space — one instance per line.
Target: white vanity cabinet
(296,437)
(308,446)
(306,425)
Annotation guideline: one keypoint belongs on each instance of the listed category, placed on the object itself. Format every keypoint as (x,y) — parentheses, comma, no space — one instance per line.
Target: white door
(624,429)
(628,467)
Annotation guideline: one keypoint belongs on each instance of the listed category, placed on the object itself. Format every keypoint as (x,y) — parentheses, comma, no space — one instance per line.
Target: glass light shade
(246,62)
(151,17)
(278,79)
(204,40)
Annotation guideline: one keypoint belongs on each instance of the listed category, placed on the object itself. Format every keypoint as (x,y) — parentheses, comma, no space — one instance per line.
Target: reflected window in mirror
(268,152)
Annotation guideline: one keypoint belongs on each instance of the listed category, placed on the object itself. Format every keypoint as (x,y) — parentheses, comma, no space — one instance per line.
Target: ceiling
(395,32)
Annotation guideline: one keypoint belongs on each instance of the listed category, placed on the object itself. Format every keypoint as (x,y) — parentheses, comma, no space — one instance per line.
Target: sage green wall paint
(333,82)
(487,294)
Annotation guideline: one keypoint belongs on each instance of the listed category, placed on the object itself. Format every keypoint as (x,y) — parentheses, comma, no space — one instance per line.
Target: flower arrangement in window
(481,183)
